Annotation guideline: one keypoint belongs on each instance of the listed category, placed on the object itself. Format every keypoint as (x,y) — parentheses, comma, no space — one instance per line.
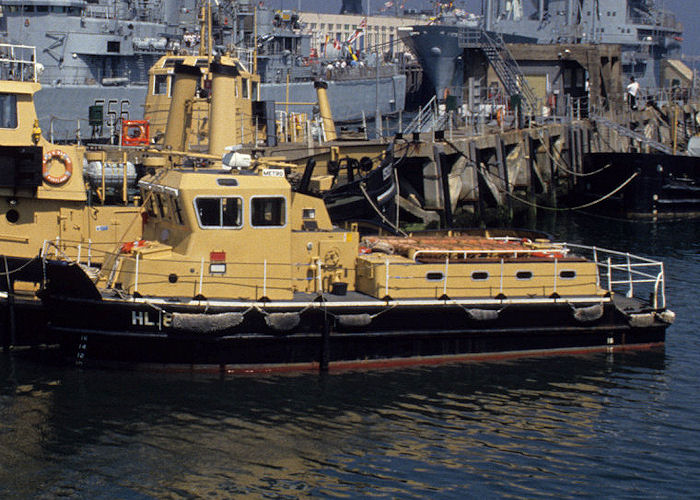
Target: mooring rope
(536,205)
(8,273)
(379,213)
(579,207)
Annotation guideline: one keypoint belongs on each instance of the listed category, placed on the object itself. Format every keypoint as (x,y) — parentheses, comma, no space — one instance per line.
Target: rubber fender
(206,323)
(641,320)
(588,314)
(354,319)
(483,314)
(282,321)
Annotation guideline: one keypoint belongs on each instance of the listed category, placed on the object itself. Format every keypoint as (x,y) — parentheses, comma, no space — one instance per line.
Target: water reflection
(405,433)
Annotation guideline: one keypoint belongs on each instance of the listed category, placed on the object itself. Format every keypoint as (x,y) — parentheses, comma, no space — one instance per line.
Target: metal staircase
(508,71)
(622,130)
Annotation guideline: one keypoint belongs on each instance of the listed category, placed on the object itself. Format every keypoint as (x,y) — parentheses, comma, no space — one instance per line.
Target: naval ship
(96,55)
(646,33)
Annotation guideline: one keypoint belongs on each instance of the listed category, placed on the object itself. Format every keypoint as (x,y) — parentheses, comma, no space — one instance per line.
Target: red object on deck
(135,132)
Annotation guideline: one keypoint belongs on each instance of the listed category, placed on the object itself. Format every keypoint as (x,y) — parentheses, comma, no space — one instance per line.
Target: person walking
(632,91)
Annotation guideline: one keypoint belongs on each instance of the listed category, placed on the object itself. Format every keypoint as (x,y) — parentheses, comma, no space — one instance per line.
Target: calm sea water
(613,426)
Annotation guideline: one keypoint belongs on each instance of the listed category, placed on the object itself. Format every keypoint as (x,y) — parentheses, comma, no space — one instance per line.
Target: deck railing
(18,62)
(617,272)
(628,274)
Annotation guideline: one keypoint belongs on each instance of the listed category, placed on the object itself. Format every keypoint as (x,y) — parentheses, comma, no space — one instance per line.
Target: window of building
(268,211)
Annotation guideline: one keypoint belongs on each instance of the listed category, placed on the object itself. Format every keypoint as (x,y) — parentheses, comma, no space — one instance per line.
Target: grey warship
(646,33)
(96,56)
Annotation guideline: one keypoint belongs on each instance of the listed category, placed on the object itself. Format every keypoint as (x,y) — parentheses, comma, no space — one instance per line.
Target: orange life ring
(135,132)
(499,116)
(67,165)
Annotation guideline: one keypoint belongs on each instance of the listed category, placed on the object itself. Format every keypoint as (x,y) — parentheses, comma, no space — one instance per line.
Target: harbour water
(606,425)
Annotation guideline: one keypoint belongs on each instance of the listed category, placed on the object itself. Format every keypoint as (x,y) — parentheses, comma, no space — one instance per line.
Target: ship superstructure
(96,57)
(647,33)
(648,36)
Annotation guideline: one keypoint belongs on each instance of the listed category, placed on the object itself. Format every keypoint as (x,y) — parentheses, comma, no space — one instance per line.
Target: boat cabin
(217,233)
(246,235)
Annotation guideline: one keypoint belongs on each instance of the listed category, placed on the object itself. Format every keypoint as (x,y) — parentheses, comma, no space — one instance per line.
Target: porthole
(12,216)
(434,276)
(567,274)
(523,275)
(480,275)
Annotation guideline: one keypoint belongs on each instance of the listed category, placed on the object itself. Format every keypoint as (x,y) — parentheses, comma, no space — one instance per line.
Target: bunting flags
(360,31)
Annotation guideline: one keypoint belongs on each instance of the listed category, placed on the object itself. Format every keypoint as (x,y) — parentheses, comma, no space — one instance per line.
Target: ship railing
(18,62)
(261,276)
(245,57)
(665,95)
(664,20)
(425,117)
(358,73)
(617,272)
(624,273)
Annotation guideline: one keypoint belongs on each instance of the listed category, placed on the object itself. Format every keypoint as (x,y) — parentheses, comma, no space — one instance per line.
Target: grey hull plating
(60,108)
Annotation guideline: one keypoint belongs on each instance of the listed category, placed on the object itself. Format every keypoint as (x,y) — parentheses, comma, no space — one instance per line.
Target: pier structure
(461,179)
(514,138)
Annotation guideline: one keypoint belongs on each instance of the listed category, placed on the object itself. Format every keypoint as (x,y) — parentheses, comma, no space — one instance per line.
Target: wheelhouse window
(163,207)
(160,84)
(225,212)
(177,210)
(149,206)
(8,111)
(268,211)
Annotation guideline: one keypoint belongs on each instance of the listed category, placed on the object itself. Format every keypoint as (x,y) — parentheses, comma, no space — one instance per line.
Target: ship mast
(206,47)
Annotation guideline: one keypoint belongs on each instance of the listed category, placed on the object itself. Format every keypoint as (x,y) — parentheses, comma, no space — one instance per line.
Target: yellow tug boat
(236,272)
(230,269)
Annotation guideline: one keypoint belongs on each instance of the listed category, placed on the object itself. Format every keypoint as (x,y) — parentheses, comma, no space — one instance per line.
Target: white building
(380,34)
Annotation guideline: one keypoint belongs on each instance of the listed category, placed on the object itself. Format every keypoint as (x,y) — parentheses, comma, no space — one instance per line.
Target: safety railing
(18,62)
(492,274)
(426,116)
(628,274)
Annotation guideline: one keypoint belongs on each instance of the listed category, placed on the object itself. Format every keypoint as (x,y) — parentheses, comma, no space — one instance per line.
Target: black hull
(22,315)
(370,197)
(124,333)
(665,186)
